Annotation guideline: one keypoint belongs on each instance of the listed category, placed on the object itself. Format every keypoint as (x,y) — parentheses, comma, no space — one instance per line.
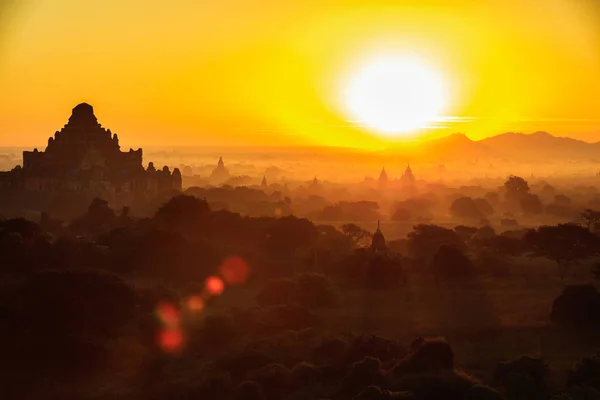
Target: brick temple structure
(85,157)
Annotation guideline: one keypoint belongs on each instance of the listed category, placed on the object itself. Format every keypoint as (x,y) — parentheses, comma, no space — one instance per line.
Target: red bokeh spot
(170,340)
(168,314)
(214,285)
(234,270)
(195,303)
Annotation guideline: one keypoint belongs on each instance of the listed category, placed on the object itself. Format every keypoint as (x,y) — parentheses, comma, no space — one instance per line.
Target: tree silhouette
(516,187)
(360,236)
(98,218)
(484,207)
(449,262)
(563,243)
(590,219)
(288,234)
(465,208)
(183,213)
(531,204)
(425,240)
(401,214)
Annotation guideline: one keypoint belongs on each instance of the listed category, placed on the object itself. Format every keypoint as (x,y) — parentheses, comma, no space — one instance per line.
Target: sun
(396,96)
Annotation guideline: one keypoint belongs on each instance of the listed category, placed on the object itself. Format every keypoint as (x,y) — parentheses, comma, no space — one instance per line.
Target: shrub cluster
(308,289)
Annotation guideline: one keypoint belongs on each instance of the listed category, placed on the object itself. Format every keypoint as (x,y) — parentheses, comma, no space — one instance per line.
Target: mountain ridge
(517,146)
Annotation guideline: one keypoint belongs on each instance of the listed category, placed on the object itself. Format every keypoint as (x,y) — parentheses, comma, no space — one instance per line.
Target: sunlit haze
(396,95)
(275,73)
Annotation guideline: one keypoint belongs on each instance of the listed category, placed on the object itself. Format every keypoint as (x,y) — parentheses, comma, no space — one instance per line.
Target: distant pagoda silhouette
(220,173)
(383,179)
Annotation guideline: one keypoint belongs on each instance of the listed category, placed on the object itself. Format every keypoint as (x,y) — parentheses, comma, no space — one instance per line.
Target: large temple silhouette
(85,157)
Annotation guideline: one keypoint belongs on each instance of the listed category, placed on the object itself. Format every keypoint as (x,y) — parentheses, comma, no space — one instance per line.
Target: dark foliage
(516,188)
(304,374)
(564,243)
(250,390)
(183,213)
(451,263)
(465,208)
(482,392)
(386,350)
(578,393)
(275,319)
(277,292)
(441,384)
(577,306)
(465,232)
(493,263)
(586,372)
(367,270)
(364,373)
(424,240)
(531,204)
(523,378)
(275,380)
(86,302)
(426,355)
(217,331)
(309,289)
(316,291)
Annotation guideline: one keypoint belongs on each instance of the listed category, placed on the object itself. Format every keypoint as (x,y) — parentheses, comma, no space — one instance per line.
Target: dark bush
(73,302)
(373,346)
(434,385)
(364,373)
(331,350)
(217,331)
(482,392)
(578,305)
(239,363)
(250,390)
(426,355)
(523,378)
(586,372)
(363,269)
(578,393)
(304,374)
(494,264)
(316,291)
(308,289)
(293,317)
(278,292)
(376,393)
(275,319)
(451,263)
(275,379)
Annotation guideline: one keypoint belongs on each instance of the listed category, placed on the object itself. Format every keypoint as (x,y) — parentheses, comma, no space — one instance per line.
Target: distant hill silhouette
(539,146)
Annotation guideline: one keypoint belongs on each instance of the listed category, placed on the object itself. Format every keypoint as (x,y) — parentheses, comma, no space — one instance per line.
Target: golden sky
(273,71)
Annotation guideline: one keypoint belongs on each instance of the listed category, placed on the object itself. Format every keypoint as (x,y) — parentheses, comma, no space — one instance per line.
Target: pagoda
(85,157)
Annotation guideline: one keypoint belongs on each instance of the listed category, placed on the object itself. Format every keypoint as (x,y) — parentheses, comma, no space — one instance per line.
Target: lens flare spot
(170,340)
(168,314)
(278,212)
(234,270)
(195,303)
(214,285)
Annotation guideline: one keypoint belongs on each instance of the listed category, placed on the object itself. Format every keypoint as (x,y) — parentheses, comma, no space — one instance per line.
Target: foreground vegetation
(195,303)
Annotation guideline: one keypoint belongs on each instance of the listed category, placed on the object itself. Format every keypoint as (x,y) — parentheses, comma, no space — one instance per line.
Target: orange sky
(272,72)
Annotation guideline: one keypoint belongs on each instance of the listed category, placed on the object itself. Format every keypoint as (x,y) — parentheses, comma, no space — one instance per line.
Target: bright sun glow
(396,96)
